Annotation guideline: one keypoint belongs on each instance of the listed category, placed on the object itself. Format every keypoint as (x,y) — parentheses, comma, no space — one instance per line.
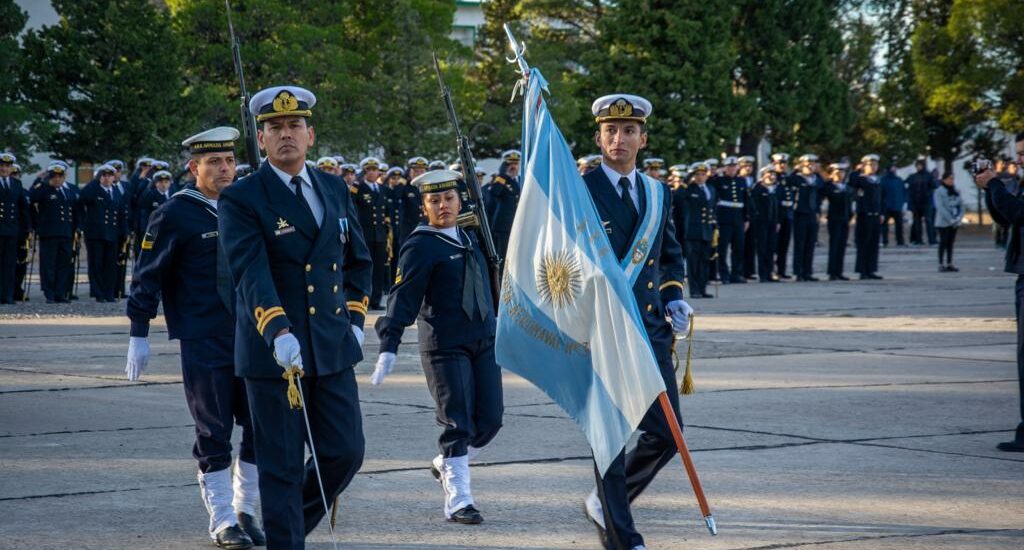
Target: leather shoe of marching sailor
(233,538)
(467,516)
(252,528)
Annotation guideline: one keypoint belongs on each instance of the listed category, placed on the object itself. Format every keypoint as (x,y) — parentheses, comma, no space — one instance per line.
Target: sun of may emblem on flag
(559,278)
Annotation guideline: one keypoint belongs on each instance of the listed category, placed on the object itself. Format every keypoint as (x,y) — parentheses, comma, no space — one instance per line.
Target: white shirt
(614,177)
(307,191)
(452,232)
(704,188)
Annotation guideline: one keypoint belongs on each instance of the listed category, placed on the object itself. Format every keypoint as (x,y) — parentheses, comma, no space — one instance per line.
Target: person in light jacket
(949,209)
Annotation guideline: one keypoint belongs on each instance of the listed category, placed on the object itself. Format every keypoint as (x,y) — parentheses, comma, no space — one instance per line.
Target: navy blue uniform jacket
(661,280)
(178,263)
(104,216)
(699,212)
(289,273)
(14,210)
(428,287)
(54,210)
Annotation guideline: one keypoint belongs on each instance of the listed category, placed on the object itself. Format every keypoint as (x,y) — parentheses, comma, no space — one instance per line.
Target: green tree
(496,122)
(108,75)
(368,62)
(20,128)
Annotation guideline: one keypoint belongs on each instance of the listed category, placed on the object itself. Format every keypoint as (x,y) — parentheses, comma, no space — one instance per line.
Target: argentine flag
(568,321)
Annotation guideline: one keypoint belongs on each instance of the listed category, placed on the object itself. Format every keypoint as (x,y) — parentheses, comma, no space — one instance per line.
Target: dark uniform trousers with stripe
(659,282)
(314,280)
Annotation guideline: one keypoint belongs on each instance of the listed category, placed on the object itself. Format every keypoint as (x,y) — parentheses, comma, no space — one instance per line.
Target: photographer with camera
(1008,209)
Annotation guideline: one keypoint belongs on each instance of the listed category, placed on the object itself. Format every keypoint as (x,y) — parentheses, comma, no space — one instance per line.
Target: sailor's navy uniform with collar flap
(659,283)
(312,277)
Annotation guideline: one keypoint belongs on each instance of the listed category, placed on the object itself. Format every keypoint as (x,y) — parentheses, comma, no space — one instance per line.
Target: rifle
(30,244)
(252,147)
(473,187)
(76,255)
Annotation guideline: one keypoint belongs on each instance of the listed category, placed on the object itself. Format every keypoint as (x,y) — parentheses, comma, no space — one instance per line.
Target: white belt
(787,203)
(730,204)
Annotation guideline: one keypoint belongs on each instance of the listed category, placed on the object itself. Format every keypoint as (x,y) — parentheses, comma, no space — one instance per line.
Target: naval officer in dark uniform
(502,200)
(103,221)
(179,264)
(370,198)
(617,190)
(733,217)
(443,286)
(409,198)
(53,209)
(302,281)
(15,221)
(805,186)
(698,202)
(840,211)
(158,193)
(868,188)
(787,196)
(764,214)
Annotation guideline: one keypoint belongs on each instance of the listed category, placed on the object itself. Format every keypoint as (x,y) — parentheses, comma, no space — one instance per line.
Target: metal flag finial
(518,51)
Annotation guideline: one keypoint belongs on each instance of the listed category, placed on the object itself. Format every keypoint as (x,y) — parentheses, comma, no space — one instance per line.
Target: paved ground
(843,415)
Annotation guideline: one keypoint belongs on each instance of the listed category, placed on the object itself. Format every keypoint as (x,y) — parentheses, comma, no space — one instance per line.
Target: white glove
(138,357)
(286,351)
(680,312)
(385,362)
(359,335)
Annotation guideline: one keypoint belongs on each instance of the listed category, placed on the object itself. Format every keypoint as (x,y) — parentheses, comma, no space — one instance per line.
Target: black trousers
(289,492)
(866,238)
(947,236)
(838,235)
(501,239)
(698,261)
(918,219)
(21,269)
(380,282)
(730,252)
(217,401)
(805,236)
(55,267)
(929,218)
(1019,303)
(466,385)
(103,268)
(8,263)
(782,245)
(749,252)
(897,217)
(766,236)
(629,474)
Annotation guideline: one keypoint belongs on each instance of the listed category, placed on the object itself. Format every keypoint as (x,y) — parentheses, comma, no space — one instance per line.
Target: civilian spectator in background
(920,187)
(949,210)
(894,201)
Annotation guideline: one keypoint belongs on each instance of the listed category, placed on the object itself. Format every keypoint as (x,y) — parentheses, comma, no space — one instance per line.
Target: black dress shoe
(51,301)
(233,538)
(1011,446)
(738,281)
(875,276)
(833,278)
(811,279)
(786,277)
(843,278)
(466,516)
(706,295)
(252,528)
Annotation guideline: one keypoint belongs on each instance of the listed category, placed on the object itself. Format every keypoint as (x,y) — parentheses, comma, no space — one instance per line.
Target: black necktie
(297,182)
(628,201)
(473,295)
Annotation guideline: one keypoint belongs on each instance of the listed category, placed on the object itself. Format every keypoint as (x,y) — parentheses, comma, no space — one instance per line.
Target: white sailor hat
(54,167)
(242,168)
(701,166)
(162,175)
(840,166)
(349,167)
(370,162)
(418,162)
(15,168)
(869,158)
(215,140)
(279,101)
(117,164)
(653,163)
(808,158)
(583,160)
(104,168)
(340,159)
(764,171)
(730,161)
(8,158)
(144,161)
(780,157)
(327,161)
(436,165)
(456,166)
(621,107)
(160,165)
(395,171)
(436,181)
(512,155)
(595,161)
(746,159)
(678,169)
(711,162)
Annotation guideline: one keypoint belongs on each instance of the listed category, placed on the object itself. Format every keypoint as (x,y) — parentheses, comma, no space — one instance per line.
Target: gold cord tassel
(687,386)
(292,375)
